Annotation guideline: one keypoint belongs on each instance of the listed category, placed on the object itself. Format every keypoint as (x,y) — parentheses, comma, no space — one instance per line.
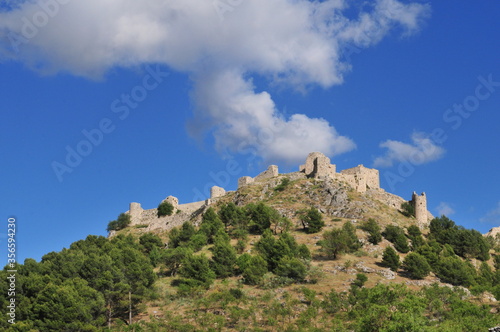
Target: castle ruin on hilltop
(317,166)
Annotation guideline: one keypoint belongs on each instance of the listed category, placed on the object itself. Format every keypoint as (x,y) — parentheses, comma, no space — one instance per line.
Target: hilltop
(353,193)
(351,197)
(311,250)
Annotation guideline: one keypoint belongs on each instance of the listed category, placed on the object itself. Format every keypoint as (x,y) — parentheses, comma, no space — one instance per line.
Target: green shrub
(416,266)
(242,262)
(232,215)
(197,241)
(415,235)
(373,229)
(332,302)
(352,239)
(291,267)
(181,237)
(390,259)
(283,184)
(408,209)
(396,235)
(466,243)
(210,224)
(196,269)
(165,209)
(150,241)
(224,256)
(455,271)
(255,269)
(273,250)
(261,217)
(312,220)
(334,243)
(122,222)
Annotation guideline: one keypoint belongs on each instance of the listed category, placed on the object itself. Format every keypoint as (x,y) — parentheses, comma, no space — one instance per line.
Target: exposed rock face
(494,232)
(337,197)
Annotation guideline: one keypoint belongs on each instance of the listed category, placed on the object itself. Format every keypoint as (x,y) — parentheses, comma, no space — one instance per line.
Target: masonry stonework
(420,205)
(135,212)
(216,192)
(244,180)
(172,200)
(362,178)
(317,166)
(271,172)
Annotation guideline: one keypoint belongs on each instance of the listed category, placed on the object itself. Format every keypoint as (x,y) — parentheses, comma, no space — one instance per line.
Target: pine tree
(312,221)
(390,259)
(255,270)
(210,224)
(373,230)
(416,266)
(224,256)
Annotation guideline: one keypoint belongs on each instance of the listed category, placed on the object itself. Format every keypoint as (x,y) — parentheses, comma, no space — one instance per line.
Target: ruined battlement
(316,166)
(271,172)
(181,212)
(361,178)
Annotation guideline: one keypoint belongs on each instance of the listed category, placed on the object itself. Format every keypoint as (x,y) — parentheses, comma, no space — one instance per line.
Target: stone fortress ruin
(317,166)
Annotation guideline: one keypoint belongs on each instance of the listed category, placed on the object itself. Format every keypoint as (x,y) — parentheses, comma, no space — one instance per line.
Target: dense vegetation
(89,285)
(221,285)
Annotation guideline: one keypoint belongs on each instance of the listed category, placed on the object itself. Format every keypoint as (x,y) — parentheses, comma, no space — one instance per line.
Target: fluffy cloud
(421,151)
(220,45)
(444,209)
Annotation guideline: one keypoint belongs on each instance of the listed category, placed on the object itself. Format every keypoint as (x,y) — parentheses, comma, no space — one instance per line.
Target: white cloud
(421,151)
(444,209)
(296,43)
(243,120)
(492,216)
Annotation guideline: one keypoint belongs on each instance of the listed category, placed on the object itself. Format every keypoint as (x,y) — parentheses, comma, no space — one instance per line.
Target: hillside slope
(339,203)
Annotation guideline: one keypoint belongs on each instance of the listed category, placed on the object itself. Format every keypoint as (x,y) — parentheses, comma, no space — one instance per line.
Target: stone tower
(318,166)
(135,212)
(420,206)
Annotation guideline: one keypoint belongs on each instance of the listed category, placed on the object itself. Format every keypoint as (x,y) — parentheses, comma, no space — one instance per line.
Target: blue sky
(181,96)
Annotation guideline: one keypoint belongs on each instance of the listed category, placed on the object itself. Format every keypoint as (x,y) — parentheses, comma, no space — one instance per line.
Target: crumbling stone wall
(271,172)
(216,192)
(244,181)
(318,166)
(139,216)
(361,178)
